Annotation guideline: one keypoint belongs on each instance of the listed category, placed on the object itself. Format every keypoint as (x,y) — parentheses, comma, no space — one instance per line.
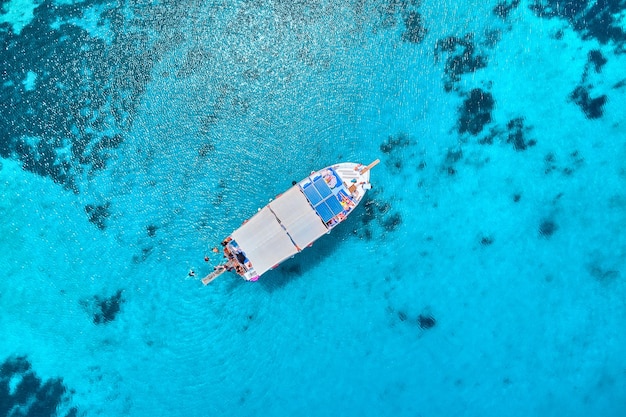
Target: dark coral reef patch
(602,274)
(596,58)
(475,112)
(67,97)
(395,147)
(23,393)
(392,11)
(453,155)
(461,58)
(504,8)
(394,143)
(517,135)
(392,222)
(601,20)
(377,209)
(103,310)
(568,167)
(415,30)
(426,321)
(547,228)
(593,107)
(98,214)
(151,230)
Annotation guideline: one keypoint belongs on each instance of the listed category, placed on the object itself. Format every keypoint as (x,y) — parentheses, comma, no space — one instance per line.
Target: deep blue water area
(483,275)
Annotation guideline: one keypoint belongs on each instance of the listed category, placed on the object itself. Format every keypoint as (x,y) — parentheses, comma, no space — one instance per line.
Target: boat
(294,220)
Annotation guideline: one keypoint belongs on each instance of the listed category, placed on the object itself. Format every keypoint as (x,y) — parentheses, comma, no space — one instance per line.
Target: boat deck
(328,195)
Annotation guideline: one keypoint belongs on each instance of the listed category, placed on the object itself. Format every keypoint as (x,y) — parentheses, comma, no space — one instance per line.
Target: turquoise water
(484,276)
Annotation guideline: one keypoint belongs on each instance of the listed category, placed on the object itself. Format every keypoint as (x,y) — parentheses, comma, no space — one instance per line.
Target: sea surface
(485,274)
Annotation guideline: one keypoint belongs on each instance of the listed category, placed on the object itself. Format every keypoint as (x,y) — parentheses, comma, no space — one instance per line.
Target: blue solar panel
(322,187)
(324,211)
(312,194)
(334,205)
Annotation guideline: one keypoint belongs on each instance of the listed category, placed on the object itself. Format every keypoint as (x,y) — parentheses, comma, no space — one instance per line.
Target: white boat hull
(294,220)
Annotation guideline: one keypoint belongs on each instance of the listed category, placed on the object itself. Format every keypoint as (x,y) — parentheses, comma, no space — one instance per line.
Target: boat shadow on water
(301,265)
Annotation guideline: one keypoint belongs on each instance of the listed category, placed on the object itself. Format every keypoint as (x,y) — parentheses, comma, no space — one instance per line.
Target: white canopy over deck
(297,216)
(281,229)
